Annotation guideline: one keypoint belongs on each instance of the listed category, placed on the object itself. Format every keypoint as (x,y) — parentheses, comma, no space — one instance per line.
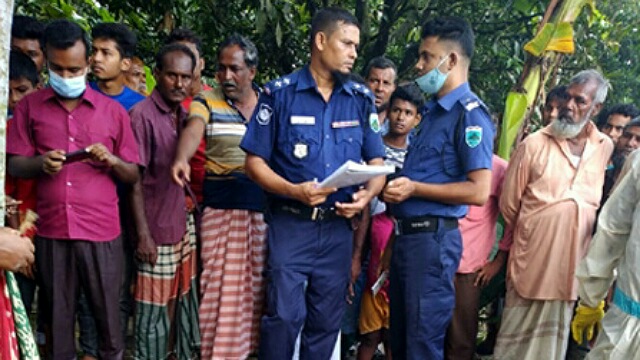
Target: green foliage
(607,39)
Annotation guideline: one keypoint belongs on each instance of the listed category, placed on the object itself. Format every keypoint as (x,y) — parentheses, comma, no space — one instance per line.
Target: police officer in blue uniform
(305,126)
(448,166)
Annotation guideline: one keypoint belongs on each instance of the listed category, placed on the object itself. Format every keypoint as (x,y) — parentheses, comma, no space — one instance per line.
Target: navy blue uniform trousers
(307,277)
(422,294)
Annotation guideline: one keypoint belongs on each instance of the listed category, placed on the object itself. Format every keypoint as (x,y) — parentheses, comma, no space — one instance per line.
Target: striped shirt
(226,186)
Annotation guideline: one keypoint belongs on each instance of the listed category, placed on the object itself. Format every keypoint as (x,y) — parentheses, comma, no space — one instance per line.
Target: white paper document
(353,173)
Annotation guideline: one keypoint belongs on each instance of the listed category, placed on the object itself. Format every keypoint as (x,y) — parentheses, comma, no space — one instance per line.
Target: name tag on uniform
(303,120)
(345,124)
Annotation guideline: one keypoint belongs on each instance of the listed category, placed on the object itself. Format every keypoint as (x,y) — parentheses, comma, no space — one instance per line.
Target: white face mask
(69,88)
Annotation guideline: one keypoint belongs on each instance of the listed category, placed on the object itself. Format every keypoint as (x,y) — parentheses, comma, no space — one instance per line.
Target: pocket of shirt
(349,142)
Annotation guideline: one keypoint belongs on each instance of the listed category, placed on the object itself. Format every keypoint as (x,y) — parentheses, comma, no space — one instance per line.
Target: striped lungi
(533,329)
(167,302)
(232,285)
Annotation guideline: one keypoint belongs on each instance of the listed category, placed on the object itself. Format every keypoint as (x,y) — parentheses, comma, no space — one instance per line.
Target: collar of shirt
(306,81)
(254,86)
(89,96)
(164,107)
(447,101)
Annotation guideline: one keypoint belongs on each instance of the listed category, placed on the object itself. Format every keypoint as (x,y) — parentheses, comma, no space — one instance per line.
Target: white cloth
(616,246)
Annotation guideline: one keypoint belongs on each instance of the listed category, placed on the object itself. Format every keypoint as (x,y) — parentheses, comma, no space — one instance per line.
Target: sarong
(533,329)
(232,284)
(167,302)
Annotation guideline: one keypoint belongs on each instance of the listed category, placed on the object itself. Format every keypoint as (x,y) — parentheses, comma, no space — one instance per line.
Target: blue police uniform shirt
(127,98)
(303,138)
(454,138)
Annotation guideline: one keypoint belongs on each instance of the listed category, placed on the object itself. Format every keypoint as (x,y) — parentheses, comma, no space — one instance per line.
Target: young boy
(403,115)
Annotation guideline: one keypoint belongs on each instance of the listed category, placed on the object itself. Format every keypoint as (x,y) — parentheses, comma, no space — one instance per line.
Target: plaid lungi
(167,302)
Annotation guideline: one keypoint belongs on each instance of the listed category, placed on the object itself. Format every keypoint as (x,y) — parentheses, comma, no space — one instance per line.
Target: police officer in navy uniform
(448,166)
(305,126)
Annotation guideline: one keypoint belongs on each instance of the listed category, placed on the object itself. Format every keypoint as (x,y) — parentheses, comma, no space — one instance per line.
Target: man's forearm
(474,191)
(125,172)
(25,166)
(190,138)
(137,208)
(258,171)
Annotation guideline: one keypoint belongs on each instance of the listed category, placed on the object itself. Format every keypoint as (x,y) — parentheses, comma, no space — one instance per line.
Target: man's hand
(310,194)
(16,252)
(360,200)
(356,267)
(398,190)
(147,251)
(181,172)
(586,319)
(52,161)
(490,270)
(100,153)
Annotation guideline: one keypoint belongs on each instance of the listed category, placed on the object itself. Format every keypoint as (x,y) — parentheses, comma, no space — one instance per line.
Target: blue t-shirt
(455,137)
(303,138)
(127,98)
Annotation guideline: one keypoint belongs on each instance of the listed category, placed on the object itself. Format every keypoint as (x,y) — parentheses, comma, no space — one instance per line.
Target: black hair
(124,38)
(170,48)
(451,28)
(635,122)
(27,27)
(63,34)
(185,35)
(21,66)
(627,110)
(410,93)
(380,62)
(249,48)
(557,93)
(325,20)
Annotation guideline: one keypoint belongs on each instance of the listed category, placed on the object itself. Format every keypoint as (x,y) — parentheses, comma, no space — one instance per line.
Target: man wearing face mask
(78,242)
(448,166)
(551,192)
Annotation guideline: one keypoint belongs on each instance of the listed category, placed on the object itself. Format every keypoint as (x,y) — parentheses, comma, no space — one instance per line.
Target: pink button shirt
(80,201)
(478,228)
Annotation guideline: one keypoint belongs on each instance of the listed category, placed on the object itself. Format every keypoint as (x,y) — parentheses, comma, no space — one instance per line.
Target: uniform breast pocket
(424,159)
(349,143)
(451,161)
(301,144)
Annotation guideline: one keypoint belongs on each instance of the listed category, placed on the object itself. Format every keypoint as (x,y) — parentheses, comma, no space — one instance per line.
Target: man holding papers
(305,126)
(448,166)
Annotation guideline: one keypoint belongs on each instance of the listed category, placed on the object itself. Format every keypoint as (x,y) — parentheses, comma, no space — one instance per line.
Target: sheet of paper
(353,173)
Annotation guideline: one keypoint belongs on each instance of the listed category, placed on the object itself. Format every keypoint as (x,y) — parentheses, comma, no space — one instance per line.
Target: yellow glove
(586,318)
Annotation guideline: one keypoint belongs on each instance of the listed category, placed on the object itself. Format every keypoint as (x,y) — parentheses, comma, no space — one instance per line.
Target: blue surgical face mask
(431,82)
(69,88)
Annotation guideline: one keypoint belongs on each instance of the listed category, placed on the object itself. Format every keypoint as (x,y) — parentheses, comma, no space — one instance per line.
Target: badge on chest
(300,150)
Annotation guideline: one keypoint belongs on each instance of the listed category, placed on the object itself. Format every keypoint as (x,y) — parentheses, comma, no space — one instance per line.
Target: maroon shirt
(80,201)
(154,126)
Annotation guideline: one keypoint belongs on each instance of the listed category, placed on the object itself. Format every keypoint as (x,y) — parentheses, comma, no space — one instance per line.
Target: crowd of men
(197,211)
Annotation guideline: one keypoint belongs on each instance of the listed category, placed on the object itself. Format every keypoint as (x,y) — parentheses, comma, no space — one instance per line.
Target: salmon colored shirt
(551,204)
(478,228)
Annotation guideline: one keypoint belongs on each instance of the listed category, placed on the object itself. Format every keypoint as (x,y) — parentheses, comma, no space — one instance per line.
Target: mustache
(229,83)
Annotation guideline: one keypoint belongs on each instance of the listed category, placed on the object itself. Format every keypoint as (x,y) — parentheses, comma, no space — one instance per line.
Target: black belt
(421,224)
(303,211)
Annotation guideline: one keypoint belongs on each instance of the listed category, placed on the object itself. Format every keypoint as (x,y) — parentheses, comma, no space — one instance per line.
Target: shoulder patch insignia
(374,123)
(472,105)
(473,136)
(264,114)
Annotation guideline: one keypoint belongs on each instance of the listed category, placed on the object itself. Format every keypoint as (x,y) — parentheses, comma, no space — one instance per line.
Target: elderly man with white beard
(551,193)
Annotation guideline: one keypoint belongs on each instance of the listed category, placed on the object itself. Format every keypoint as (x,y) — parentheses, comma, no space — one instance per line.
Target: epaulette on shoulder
(470,103)
(359,88)
(278,84)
